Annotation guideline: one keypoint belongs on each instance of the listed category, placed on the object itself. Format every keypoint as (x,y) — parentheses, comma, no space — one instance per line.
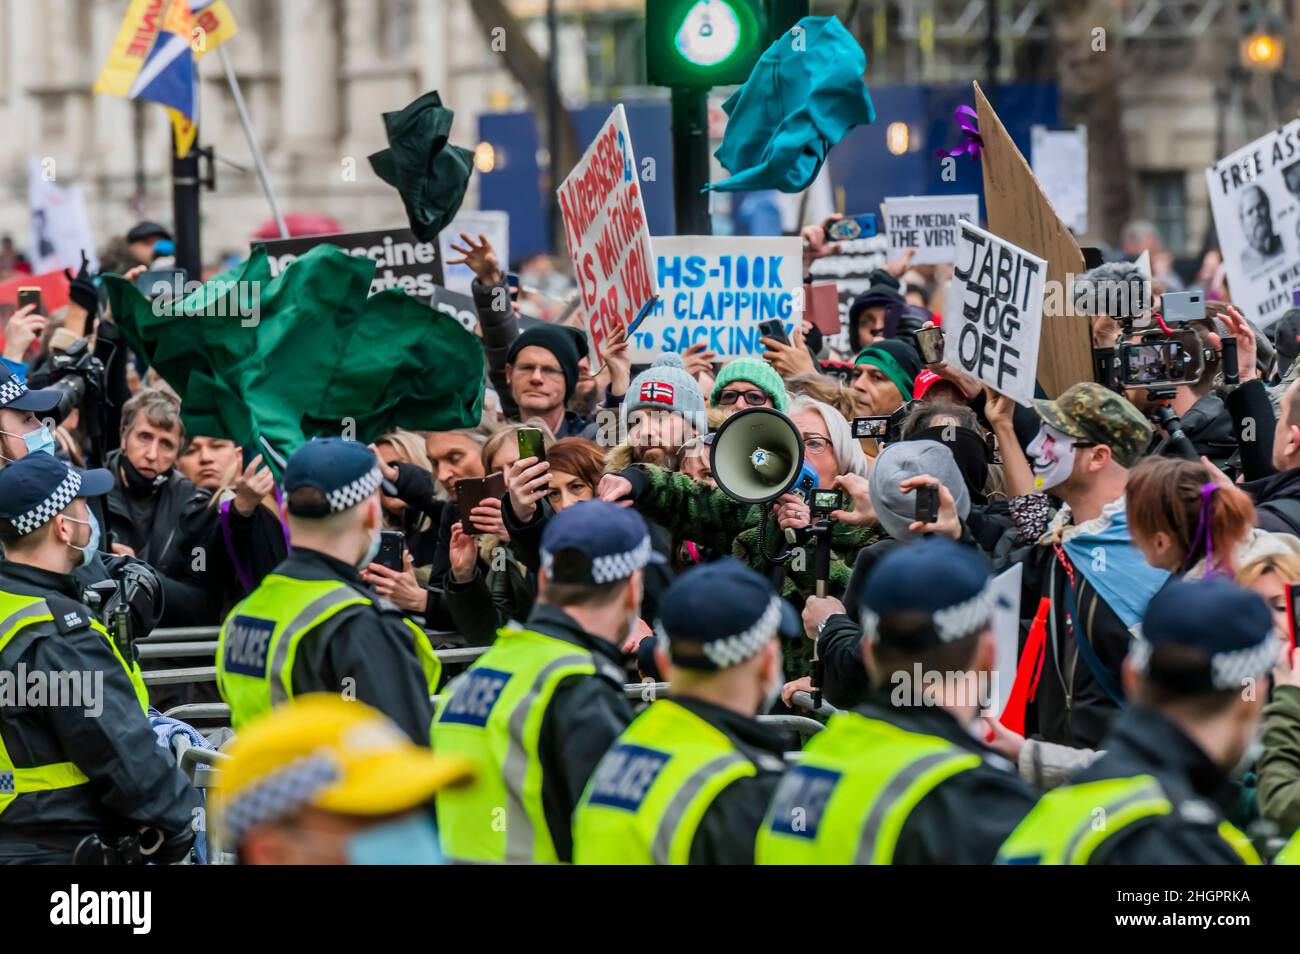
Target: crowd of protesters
(1102,508)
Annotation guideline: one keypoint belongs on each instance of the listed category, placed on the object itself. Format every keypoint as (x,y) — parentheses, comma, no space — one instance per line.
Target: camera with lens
(77,375)
(825,502)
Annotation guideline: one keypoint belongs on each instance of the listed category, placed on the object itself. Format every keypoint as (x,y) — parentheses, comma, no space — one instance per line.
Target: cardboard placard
(1255,197)
(608,237)
(1020,213)
(1060,158)
(928,223)
(995,308)
(401,261)
(716,289)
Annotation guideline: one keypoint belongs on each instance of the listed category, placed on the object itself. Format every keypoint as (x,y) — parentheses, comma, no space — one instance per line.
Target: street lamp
(1263,47)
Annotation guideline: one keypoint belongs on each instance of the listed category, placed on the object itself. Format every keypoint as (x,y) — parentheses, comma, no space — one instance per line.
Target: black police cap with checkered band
(38,487)
(594,542)
(16,396)
(345,472)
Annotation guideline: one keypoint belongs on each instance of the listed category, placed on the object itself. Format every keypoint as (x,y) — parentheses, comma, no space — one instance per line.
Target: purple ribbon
(1202,534)
(966,119)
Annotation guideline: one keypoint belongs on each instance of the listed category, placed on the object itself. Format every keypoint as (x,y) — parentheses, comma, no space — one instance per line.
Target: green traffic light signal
(703,43)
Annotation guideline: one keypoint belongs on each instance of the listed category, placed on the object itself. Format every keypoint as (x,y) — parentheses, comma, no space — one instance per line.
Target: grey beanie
(666,386)
(895,464)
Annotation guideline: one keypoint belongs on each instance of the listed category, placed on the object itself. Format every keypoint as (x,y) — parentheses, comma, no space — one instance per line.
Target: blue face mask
(38,441)
(92,545)
(412,840)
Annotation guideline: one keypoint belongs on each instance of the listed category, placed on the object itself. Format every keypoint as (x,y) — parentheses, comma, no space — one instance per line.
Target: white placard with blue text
(716,290)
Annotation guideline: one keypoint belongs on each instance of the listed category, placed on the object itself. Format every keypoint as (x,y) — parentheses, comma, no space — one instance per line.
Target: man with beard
(1257,226)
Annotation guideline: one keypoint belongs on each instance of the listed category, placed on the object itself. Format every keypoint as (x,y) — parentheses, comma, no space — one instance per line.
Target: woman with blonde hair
(1269,576)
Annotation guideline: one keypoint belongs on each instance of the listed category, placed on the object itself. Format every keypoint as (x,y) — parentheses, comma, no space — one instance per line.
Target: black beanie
(559,341)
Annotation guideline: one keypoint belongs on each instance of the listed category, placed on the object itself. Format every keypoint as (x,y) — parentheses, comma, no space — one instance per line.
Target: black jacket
(1145,742)
(365,649)
(965,819)
(1070,706)
(1270,494)
(499,323)
(729,828)
(415,488)
(133,783)
(1253,422)
(163,527)
(256,542)
(585,716)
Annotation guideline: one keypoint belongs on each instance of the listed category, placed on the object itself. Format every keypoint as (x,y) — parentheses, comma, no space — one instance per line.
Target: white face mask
(1051,455)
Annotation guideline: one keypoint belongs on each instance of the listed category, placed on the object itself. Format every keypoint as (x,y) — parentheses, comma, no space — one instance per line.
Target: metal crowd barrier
(200,641)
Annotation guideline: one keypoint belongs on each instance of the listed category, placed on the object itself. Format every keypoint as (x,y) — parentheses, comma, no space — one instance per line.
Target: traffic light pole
(691,161)
(185,208)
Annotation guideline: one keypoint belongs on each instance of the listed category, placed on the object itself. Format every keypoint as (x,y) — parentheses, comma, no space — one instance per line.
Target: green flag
(419,163)
(272,362)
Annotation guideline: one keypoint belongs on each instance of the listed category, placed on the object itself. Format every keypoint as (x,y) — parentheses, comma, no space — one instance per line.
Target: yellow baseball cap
(326,752)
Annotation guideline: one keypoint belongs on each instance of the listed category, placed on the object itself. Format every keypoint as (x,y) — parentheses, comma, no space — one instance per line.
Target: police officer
(902,779)
(538,710)
(312,625)
(690,779)
(21,431)
(1195,681)
(80,761)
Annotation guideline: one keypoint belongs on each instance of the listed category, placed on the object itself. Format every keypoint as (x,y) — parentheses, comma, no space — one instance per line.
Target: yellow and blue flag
(154,54)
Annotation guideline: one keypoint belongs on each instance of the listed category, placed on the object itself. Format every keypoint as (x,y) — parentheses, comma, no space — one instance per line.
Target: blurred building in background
(1165,86)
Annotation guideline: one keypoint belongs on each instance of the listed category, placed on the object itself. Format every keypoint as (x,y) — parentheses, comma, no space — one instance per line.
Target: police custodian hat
(16,396)
(721,614)
(37,488)
(595,542)
(1231,630)
(345,472)
(937,578)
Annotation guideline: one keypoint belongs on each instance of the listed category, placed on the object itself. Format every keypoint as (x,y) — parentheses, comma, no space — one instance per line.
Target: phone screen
(1292,608)
(531,443)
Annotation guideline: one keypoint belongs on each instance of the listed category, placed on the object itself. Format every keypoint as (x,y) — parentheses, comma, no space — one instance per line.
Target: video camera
(129,603)
(77,375)
(1165,355)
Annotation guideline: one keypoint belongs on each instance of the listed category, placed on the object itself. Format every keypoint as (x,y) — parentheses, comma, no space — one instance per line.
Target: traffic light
(695,44)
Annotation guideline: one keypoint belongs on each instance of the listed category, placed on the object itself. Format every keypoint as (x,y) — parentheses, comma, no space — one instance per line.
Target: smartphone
(1292,607)
(1182,307)
(826,502)
(30,295)
(927,503)
(929,341)
(162,283)
(852,227)
(471,491)
(876,427)
(1161,362)
(531,443)
(773,328)
(391,545)
(512,282)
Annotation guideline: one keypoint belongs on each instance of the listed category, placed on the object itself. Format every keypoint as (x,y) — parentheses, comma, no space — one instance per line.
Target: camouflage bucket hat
(1096,414)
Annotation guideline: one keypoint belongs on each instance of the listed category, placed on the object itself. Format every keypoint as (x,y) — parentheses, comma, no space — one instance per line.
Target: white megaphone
(757,455)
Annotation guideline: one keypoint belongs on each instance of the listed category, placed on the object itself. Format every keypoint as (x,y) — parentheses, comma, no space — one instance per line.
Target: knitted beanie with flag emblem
(667,386)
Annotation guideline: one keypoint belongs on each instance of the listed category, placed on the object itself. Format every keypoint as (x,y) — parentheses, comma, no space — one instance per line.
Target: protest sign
(455,305)
(60,225)
(606,231)
(1005,589)
(1018,211)
(1254,197)
(1060,158)
(851,271)
(495,226)
(716,290)
(401,261)
(928,223)
(995,309)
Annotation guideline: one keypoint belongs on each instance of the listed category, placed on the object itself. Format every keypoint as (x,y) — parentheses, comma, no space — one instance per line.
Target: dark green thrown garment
(321,359)
(419,163)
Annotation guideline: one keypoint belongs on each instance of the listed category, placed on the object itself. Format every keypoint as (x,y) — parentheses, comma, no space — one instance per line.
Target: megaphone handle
(821,588)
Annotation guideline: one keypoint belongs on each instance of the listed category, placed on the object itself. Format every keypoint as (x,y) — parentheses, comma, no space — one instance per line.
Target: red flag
(1028,669)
